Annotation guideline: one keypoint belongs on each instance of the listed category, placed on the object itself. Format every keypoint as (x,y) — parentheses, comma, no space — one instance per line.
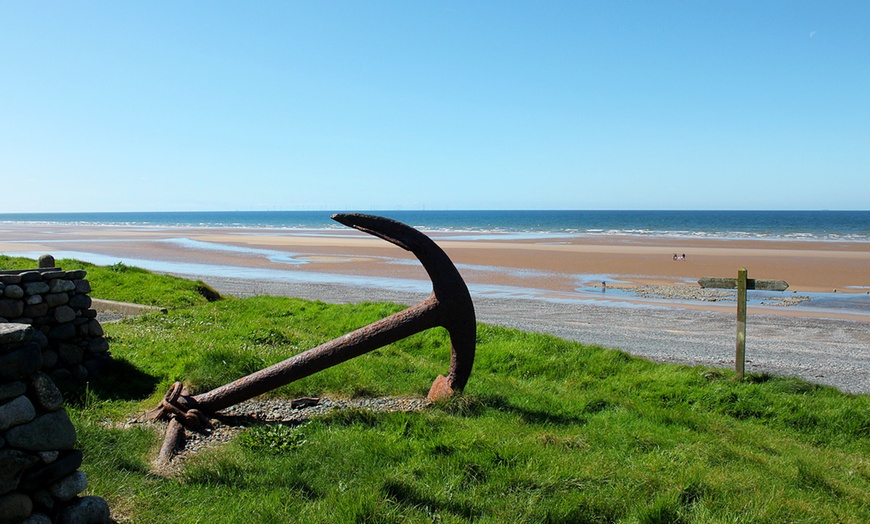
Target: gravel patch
(700,294)
(228,423)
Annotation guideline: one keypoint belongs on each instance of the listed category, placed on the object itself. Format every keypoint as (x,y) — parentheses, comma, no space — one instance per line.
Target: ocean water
(850,226)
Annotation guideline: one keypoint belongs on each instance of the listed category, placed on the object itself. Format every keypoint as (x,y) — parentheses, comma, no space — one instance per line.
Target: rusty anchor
(448,306)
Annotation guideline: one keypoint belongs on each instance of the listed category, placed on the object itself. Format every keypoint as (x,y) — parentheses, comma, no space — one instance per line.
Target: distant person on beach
(603,286)
(675,256)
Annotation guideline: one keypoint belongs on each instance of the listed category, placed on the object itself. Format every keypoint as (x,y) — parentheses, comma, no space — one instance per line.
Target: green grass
(128,283)
(546,431)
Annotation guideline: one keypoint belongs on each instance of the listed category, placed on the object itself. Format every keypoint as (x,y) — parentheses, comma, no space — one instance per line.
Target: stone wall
(56,304)
(39,477)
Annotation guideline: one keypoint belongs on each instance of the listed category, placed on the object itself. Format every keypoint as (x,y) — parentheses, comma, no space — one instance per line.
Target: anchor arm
(449,306)
(341,349)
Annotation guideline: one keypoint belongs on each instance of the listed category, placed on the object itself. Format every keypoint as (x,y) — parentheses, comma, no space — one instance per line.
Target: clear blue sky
(158,106)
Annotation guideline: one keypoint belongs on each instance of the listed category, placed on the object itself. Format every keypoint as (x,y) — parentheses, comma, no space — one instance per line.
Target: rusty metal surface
(448,306)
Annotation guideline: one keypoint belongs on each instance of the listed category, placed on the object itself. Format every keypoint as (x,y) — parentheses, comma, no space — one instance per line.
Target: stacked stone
(56,303)
(39,481)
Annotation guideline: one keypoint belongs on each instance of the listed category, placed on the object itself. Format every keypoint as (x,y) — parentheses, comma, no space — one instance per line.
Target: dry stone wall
(39,477)
(57,305)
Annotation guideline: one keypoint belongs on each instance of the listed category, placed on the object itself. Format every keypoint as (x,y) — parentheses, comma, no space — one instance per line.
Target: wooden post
(741,283)
(740,359)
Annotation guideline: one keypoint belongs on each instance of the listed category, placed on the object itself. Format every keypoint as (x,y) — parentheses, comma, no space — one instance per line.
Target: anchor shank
(386,331)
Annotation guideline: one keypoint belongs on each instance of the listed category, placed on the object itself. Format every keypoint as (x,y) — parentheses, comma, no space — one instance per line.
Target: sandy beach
(556,266)
(550,285)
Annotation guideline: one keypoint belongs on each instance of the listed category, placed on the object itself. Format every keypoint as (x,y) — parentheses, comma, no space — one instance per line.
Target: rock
(49,358)
(37,518)
(98,345)
(14,333)
(45,392)
(42,500)
(45,433)
(36,310)
(56,299)
(68,462)
(63,331)
(87,510)
(95,328)
(35,288)
(61,376)
(13,291)
(16,412)
(68,487)
(20,363)
(11,308)
(70,353)
(61,285)
(14,508)
(32,300)
(45,261)
(76,274)
(39,338)
(82,286)
(64,314)
(80,301)
(12,390)
(13,463)
(47,457)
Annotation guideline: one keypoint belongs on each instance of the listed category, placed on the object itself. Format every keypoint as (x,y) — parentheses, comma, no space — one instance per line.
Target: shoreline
(547,267)
(529,285)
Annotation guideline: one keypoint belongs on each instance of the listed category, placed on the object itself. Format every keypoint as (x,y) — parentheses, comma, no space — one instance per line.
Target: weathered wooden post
(740,357)
(741,283)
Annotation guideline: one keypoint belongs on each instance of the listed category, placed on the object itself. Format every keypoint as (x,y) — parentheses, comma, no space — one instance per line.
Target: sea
(839,226)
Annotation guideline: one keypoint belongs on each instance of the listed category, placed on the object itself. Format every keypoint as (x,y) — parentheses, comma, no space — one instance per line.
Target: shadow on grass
(409,496)
(475,406)
(117,379)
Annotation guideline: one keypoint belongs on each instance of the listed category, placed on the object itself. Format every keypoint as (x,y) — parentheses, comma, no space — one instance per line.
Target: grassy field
(546,431)
(128,284)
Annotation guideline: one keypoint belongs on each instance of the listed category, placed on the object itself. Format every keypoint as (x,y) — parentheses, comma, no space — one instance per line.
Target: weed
(275,438)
